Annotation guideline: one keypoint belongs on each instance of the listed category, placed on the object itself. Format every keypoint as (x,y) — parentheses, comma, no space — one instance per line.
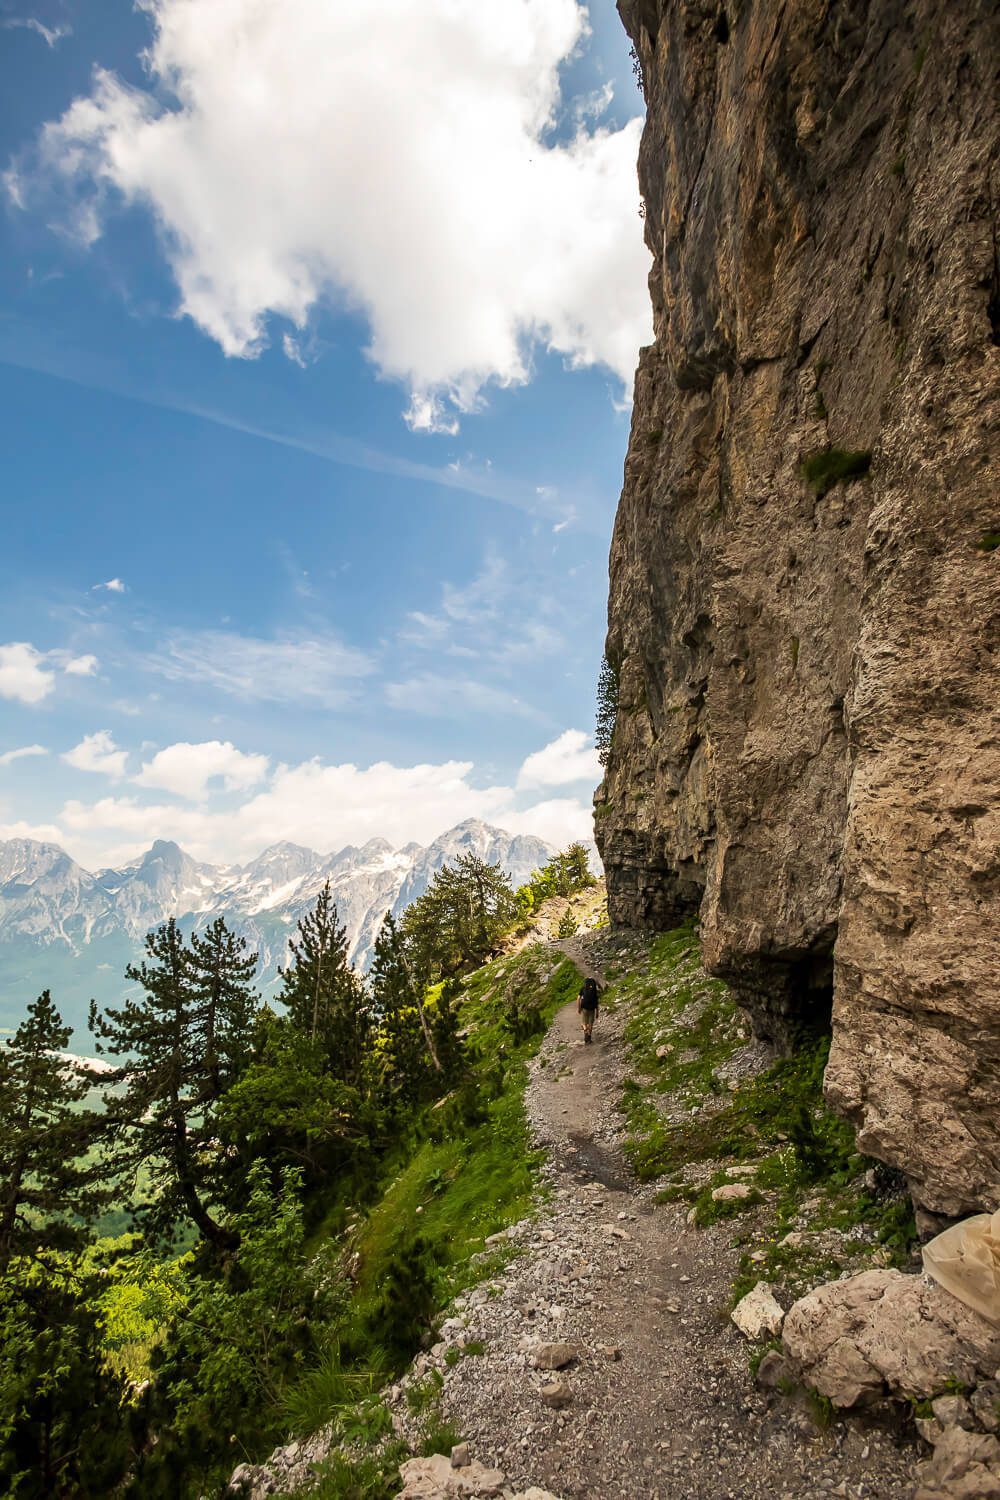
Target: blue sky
(316,330)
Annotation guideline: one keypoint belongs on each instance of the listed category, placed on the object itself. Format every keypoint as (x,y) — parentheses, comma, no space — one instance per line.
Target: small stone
(772,1370)
(953,1411)
(729,1192)
(610,1351)
(758,1315)
(985,1403)
(554,1356)
(460,1456)
(557,1393)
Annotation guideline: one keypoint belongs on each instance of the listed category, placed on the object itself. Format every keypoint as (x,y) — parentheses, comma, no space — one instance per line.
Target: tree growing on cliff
(607,709)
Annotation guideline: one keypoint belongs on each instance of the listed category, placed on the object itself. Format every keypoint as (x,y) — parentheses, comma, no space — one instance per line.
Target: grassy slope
(465,1182)
(693,1118)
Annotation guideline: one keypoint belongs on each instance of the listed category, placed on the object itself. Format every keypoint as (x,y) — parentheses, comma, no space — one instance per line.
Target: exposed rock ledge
(807,747)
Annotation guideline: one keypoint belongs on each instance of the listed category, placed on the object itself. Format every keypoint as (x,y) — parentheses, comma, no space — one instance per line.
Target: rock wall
(805,583)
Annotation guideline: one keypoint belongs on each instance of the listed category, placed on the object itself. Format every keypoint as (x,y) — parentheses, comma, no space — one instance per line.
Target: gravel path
(661,1405)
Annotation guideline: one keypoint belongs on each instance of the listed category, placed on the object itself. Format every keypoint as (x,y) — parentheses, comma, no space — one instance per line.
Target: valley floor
(659,1402)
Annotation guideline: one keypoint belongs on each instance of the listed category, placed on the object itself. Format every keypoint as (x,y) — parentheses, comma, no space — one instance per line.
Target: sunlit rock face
(804,573)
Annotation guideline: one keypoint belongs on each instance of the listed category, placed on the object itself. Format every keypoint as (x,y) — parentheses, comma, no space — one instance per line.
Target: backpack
(588,999)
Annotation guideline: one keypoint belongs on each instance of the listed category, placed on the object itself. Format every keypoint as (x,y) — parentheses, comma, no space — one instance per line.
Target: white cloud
(498,618)
(187,769)
(44,833)
(49,34)
(23,674)
(113,586)
(560,821)
(566,760)
(81,666)
(10,756)
(433,694)
(98,752)
(323,807)
(319,669)
(397,159)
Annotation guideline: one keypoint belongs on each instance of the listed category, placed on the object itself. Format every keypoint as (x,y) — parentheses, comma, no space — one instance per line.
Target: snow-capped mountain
(66,929)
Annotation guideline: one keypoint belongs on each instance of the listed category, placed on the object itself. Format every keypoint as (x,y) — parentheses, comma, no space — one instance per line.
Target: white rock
(758,1315)
(730,1191)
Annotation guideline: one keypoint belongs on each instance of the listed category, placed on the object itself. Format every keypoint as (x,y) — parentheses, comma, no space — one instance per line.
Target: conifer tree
(223,1004)
(406,1049)
(607,709)
(43,1181)
(183,1038)
(324,996)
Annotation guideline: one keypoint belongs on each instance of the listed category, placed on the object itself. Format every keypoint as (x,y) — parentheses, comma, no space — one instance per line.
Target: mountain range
(72,931)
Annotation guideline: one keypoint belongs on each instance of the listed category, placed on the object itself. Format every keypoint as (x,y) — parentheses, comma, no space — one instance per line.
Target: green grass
(830,466)
(989,541)
(471,1174)
(776,1121)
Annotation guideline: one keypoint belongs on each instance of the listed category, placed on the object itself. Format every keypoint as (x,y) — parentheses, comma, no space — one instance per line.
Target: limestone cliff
(805,577)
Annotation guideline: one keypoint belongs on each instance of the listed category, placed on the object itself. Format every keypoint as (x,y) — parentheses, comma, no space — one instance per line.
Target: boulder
(434,1479)
(881,1333)
(758,1315)
(964,1466)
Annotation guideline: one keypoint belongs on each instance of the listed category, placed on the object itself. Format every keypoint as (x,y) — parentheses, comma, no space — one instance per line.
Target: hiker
(587,1005)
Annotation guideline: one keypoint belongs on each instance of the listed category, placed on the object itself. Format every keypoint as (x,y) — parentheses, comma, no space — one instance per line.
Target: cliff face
(807,746)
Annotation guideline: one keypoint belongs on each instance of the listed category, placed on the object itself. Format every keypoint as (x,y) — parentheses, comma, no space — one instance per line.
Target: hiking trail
(659,1403)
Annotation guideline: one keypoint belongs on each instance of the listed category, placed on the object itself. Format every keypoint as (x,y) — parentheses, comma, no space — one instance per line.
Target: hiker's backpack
(589,997)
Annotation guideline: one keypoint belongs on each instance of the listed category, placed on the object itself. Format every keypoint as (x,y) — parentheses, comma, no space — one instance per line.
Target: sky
(317,331)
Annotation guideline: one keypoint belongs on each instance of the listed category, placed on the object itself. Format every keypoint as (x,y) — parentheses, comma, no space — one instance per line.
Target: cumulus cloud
(188,769)
(98,752)
(23,673)
(566,760)
(309,669)
(322,806)
(410,162)
(43,833)
(10,756)
(113,586)
(560,821)
(81,666)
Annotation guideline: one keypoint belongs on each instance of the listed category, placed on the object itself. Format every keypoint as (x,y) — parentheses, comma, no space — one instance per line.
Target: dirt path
(662,1405)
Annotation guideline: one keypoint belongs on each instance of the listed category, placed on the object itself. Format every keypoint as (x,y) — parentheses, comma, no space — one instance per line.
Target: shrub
(830,466)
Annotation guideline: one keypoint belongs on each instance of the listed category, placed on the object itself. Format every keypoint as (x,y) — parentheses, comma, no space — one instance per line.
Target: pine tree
(576,864)
(184,1038)
(44,1184)
(406,1048)
(224,1004)
(607,709)
(324,996)
(459,919)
